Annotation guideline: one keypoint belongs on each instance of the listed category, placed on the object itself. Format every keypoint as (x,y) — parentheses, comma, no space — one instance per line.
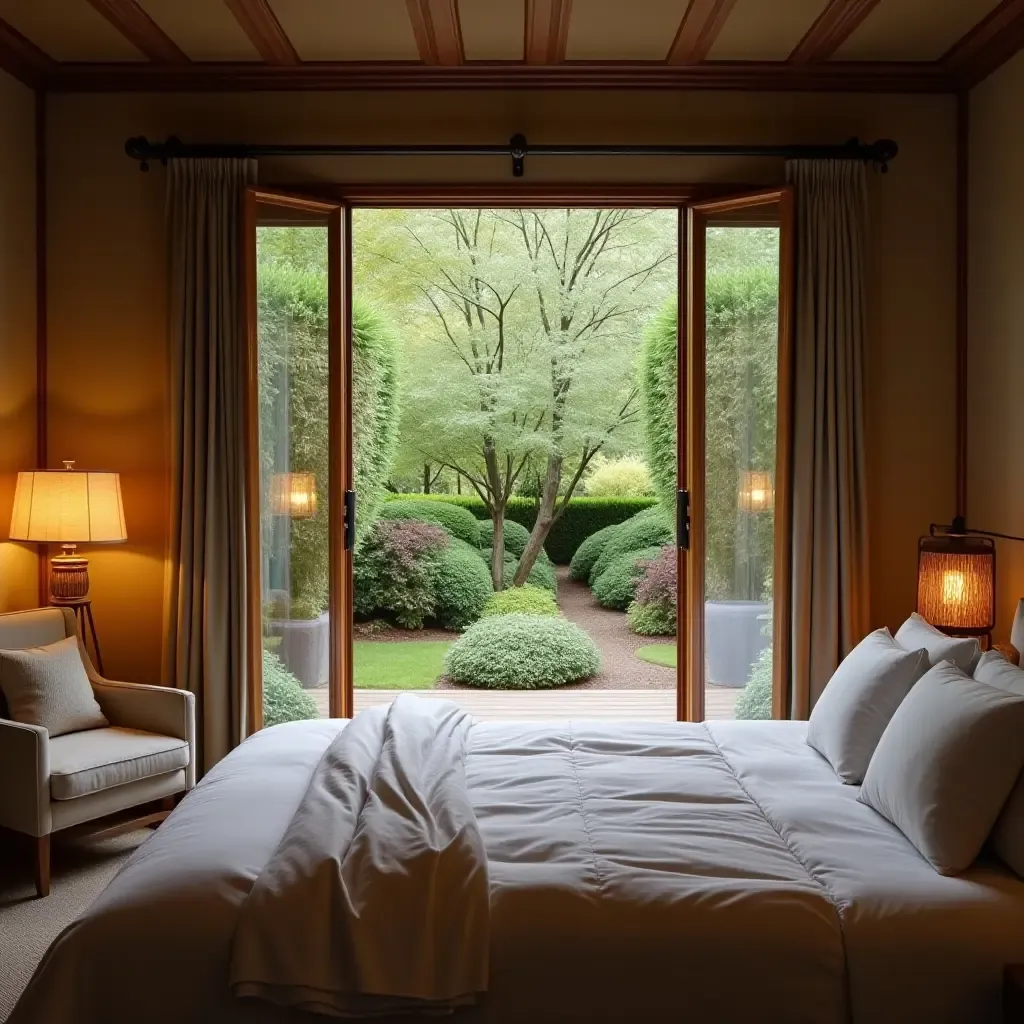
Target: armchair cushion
(49,687)
(98,759)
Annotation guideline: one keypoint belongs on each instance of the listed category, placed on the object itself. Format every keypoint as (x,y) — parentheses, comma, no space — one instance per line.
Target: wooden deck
(536,705)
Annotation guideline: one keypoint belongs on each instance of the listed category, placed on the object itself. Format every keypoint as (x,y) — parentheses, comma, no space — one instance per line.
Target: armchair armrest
(159,709)
(25,769)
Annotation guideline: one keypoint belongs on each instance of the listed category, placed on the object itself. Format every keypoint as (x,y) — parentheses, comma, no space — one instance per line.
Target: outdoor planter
(734,639)
(305,648)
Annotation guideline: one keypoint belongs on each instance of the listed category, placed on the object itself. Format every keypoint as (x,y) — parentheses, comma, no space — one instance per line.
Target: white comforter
(646,872)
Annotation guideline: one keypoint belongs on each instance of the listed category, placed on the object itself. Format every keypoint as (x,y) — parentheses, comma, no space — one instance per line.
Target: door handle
(683,520)
(350,520)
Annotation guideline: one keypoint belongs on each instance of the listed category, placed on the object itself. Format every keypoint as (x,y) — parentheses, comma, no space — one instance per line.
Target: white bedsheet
(638,872)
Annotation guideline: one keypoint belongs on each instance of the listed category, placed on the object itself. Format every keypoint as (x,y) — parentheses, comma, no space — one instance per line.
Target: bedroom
(96,305)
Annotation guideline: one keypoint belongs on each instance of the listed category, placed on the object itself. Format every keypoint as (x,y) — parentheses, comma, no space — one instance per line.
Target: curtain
(830,515)
(207,580)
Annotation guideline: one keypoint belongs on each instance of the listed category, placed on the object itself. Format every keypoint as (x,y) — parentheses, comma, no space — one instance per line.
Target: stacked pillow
(937,752)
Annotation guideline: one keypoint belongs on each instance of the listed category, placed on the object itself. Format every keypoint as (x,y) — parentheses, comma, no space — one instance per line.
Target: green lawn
(658,654)
(402,665)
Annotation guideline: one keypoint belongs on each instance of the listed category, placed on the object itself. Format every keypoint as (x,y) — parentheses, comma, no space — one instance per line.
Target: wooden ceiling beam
(260,24)
(992,42)
(698,30)
(22,58)
(546,32)
(435,24)
(836,23)
(141,31)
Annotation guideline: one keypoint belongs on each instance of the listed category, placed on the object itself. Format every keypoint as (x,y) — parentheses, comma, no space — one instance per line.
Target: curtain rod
(879,153)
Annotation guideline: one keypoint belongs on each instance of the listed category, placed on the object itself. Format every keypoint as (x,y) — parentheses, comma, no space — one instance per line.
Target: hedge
(616,586)
(459,522)
(659,382)
(645,529)
(590,551)
(582,517)
(527,600)
(463,585)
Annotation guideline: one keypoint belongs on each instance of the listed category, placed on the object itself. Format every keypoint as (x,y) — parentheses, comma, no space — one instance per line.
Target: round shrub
(459,522)
(522,652)
(627,477)
(284,700)
(616,586)
(755,699)
(653,613)
(589,551)
(646,529)
(657,618)
(528,600)
(396,571)
(463,585)
(516,536)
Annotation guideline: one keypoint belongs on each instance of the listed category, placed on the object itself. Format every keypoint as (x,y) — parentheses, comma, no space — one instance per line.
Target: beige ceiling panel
(756,30)
(492,29)
(913,29)
(70,30)
(623,29)
(348,29)
(205,30)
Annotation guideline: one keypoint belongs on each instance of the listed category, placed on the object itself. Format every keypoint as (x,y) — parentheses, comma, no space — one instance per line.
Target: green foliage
(589,551)
(522,652)
(527,600)
(516,536)
(755,700)
(541,575)
(463,585)
(657,618)
(627,477)
(644,530)
(615,587)
(459,522)
(659,381)
(284,700)
(581,518)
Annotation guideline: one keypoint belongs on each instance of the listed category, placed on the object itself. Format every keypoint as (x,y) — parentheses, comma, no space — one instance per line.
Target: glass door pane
(738,293)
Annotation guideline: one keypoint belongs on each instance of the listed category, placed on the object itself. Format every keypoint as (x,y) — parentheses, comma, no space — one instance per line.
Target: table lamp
(68,507)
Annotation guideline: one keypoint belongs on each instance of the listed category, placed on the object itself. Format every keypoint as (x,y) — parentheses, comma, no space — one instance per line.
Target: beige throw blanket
(376,901)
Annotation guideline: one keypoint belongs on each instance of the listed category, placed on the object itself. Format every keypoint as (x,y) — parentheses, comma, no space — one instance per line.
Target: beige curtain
(830,535)
(207,580)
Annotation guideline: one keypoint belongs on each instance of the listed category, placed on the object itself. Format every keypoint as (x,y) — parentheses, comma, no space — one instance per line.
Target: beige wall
(18,562)
(108,404)
(995,475)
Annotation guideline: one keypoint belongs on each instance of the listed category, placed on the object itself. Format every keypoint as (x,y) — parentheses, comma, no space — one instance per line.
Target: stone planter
(734,639)
(305,648)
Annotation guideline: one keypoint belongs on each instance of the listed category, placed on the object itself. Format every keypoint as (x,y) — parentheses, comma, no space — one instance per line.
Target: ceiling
(910,45)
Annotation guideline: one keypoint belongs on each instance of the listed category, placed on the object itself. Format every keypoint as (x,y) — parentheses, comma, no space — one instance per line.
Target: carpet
(81,869)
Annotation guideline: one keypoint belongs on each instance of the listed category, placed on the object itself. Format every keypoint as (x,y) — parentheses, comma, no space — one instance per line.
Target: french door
(298,458)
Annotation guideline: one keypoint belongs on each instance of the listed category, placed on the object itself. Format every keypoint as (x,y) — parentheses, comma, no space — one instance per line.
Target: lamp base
(69,579)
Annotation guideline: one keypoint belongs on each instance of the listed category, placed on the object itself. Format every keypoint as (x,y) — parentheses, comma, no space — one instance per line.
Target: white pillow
(863,694)
(917,632)
(48,686)
(1008,835)
(946,764)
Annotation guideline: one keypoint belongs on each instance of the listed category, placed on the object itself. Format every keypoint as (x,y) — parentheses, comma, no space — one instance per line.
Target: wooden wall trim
(546,31)
(988,46)
(22,58)
(697,32)
(260,24)
(836,23)
(141,30)
(435,24)
(42,387)
(963,132)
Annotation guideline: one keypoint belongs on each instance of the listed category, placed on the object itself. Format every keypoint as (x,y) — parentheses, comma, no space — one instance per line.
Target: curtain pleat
(830,513)
(207,586)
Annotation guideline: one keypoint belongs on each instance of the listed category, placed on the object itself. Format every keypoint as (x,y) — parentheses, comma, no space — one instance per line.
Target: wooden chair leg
(43,866)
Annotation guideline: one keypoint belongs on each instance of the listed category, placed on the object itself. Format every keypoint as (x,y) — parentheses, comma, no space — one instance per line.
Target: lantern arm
(958,528)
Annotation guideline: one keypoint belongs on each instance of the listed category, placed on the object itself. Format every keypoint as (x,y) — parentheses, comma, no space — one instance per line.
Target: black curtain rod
(140,148)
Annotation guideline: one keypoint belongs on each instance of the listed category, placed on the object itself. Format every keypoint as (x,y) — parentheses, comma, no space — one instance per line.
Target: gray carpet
(81,869)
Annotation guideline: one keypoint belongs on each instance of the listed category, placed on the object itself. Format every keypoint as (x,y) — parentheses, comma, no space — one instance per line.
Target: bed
(656,872)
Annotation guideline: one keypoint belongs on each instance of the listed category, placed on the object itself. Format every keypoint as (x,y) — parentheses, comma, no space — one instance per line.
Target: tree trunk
(426,477)
(498,551)
(545,520)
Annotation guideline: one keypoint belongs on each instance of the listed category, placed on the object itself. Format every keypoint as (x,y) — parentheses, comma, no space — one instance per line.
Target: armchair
(146,754)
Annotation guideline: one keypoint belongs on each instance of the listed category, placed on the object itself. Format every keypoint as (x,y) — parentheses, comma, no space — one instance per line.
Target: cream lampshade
(756,492)
(69,508)
(293,495)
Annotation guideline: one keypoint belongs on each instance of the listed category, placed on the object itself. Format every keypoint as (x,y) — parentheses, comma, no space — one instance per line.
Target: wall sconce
(293,495)
(756,491)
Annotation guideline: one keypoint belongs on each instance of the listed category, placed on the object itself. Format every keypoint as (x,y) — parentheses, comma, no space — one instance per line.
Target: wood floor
(533,705)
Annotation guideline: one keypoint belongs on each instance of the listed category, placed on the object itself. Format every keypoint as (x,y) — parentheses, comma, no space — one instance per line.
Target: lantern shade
(68,507)
(293,495)
(956,583)
(756,491)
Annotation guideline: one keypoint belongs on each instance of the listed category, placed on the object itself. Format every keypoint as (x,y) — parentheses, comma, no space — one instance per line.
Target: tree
(520,341)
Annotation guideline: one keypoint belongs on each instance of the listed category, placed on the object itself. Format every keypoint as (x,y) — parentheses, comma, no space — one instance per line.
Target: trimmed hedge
(659,383)
(644,530)
(516,536)
(590,551)
(616,586)
(459,522)
(527,600)
(755,699)
(284,700)
(522,652)
(582,517)
(463,585)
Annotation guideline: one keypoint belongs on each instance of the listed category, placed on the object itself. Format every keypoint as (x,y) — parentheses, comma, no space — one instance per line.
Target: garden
(514,380)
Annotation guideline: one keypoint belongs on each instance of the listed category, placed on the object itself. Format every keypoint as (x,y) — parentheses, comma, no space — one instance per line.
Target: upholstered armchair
(146,754)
